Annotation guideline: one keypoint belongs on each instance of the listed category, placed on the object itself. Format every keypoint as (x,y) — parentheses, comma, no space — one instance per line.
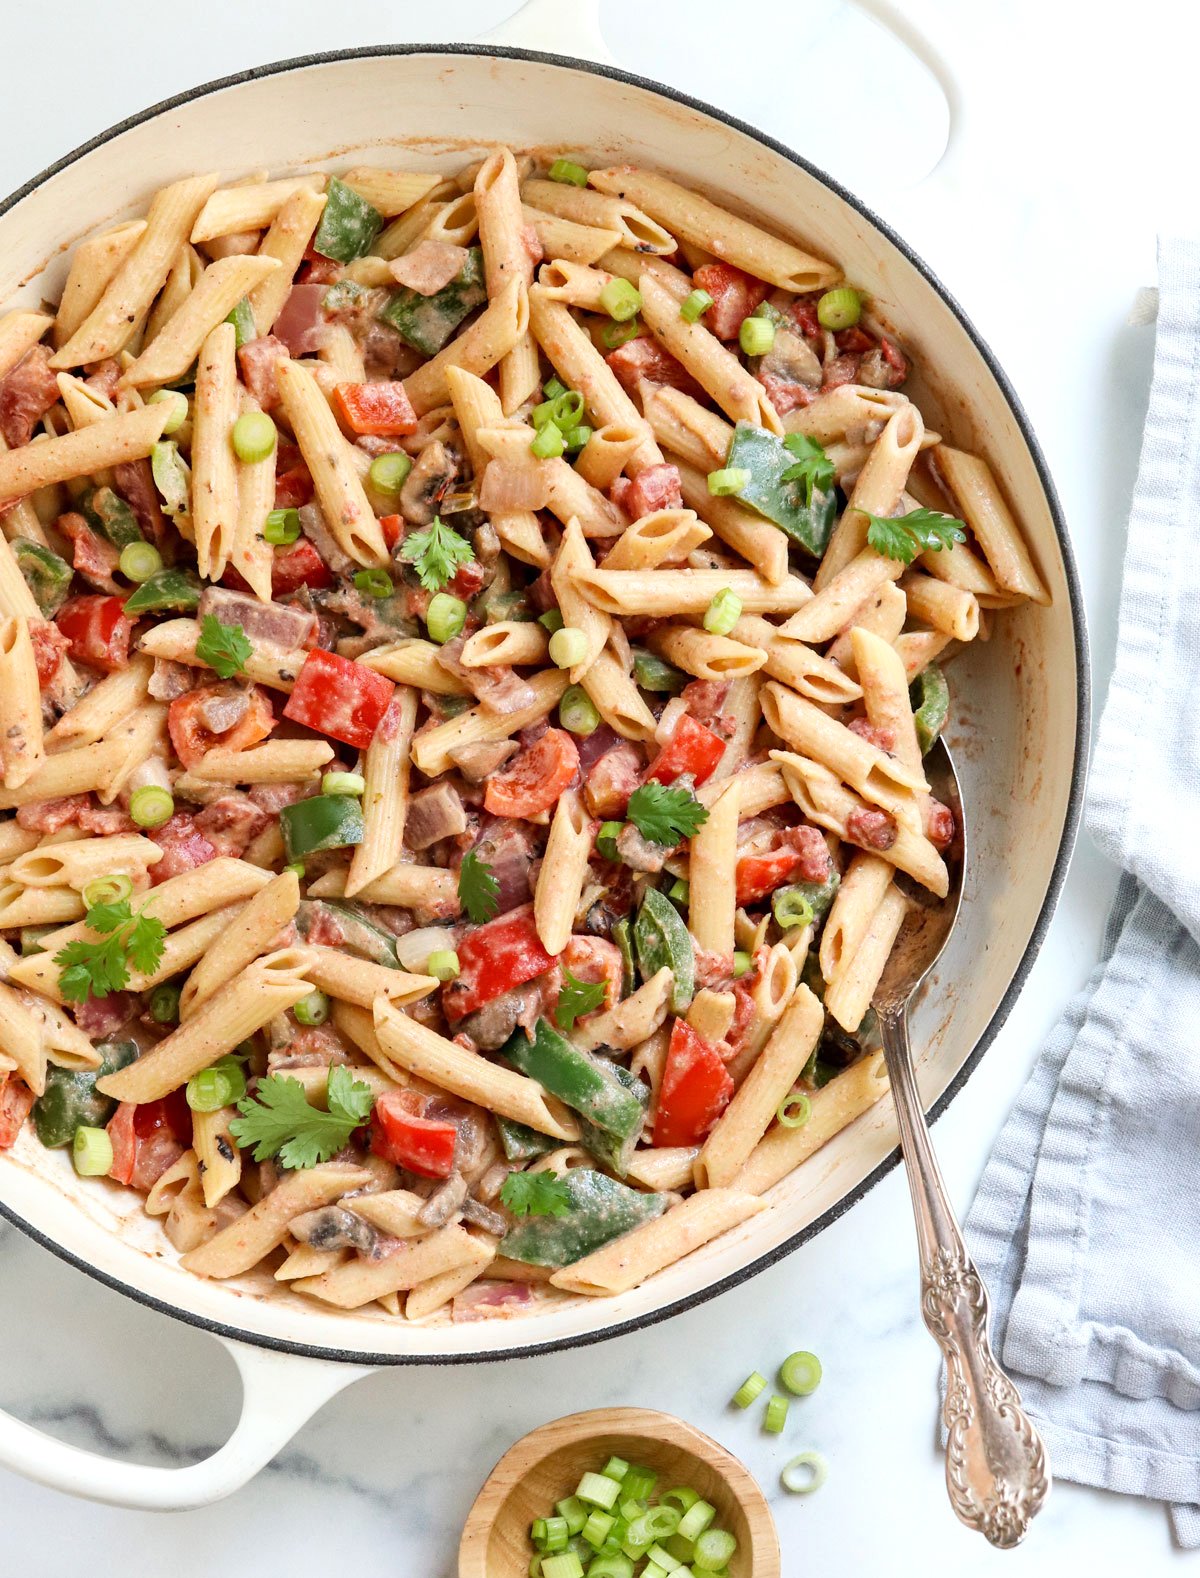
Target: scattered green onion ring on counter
(621,300)
(164,1004)
(800,1373)
(567,171)
(151,806)
(179,409)
(577,711)
(107,890)
(551,620)
(753,1386)
(727,481)
(777,1412)
(445,617)
(568,647)
(282,528)
(614,335)
(313,1009)
(805,1473)
(694,305)
(756,336)
(723,613)
(344,783)
(139,561)
(548,442)
(388,473)
(254,436)
(442,964)
(839,309)
(794,1110)
(743,963)
(91,1152)
(373,583)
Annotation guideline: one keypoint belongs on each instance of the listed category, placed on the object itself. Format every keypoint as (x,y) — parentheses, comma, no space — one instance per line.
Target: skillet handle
(555,28)
(280,1393)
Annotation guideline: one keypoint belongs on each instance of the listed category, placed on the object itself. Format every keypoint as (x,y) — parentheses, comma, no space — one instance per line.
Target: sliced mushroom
(333,1227)
(445,1202)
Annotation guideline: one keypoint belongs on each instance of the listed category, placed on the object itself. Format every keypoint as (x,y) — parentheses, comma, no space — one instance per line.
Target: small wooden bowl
(544,1467)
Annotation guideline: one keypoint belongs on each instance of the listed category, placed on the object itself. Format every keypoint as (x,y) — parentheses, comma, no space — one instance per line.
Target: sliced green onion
(610,1564)
(597,1528)
(713,1551)
(565,410)
(164,1004)
(139,561)
(572,1509)
(606,839)
(568,646)
(566,1565)
(443,964)
(805,1473)
(282,527)
(678,891)
(552,388)
(657,1557)
(659,1522)
(296,867)
(572,174)
(254,436)
(794,1110)
(91,1151)
(151,806)
(577,711)
(696,1519)
(800,1373)
(777,1412)
(242,318)
(639,1482)
(597,1491)
(551,620)
(445,617)
(344,783)
(791,908)
(547,442)
(756,336)
(722,613)
(537,1533)
(839,309)
(107,890)
(727,481)
(695,304)
(313,1009)
(373,583)
(388,473)
(749,1389)
(633,1508)
(743,963)
(215,1087)
(554,1534)
(179,411)
(682,1496)
(653,1570)
(616,1468)
(615,334)
(577,437)
(621,300)
(535,1566)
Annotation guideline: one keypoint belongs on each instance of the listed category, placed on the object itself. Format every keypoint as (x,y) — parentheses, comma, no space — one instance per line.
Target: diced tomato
(97,630)
(801,852)
(49,647)
(147,1139)
(382,407)
(124,1142)
(735,296)
(193,739)
(696,1088)
(645,358)
(691,749)
(300,565)
(404,1136)
(339,697)
(293,480)
(492,959)
(591,959)
(168,1112)
(392,527)
(468,579)
(536,776)
(16,1103)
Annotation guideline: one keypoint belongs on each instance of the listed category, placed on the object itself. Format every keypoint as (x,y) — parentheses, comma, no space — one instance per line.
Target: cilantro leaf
(813,466)
(908,535)
(535,1194)
(665,815)
(145,943)
(107,917)
(278,1120)
(223,647)
(95,969)
(478,888)
(436,554)
(576,999)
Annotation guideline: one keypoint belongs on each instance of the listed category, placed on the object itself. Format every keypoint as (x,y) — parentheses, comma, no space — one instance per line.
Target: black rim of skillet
(1079,766)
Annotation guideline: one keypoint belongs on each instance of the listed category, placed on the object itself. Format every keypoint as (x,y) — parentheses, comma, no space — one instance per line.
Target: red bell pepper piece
(382,408)
(492,959)
(691,749)
(300,565)
(696,1088)
(339,697)
(800,852)
(97,630)
(401,1134)
(534,779)
(392,527)
(16,1103)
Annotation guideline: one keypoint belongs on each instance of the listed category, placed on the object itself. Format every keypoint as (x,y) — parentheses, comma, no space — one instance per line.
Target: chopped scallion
(548,442)
(444,966)
(777,1412)
(805,1473)
(139,561)
(696,1519)
(313,1009)
(722,613)
(723,484)
(713,1551)
(743,963)
(614,335)
(751,1387)
(91,1151)
(164,1004)
(695,304)
(577,711)
(373,583)
(756,336)
(567,171)
(282,527)
(800,1373)
(839,309)
(568,646)
(551,620)
(445,617)
(179,409)
(344,783)
(107,890)
(595,1490)
(151,806)
(388,473)
(794,1110)
(621,300)
(254,436)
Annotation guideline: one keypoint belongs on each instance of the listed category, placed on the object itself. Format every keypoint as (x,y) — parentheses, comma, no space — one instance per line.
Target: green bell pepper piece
(346,293)
(494,606)
(176,591)
(325,821)
(622,936)
(763,455)
(47,576)
(615,1151)
(586,1083)
(71,1100)
(930,697)
(654,674)
(243,324)
(521,1143)
(360,935)
(107,512)
(427,322)
(661,938)
(349,224)
(600,1209)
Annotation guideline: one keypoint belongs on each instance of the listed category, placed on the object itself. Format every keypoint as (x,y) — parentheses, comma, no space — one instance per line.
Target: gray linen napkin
(1086,1225)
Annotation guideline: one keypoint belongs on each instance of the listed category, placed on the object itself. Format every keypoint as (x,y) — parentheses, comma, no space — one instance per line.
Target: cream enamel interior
(1016,697)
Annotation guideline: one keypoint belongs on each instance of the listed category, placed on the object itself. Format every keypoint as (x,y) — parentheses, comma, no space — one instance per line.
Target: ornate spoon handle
(996,1470)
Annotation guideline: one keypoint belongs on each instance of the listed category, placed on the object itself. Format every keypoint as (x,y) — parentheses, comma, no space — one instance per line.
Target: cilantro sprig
(436,554)
(279,1120)
(665,815)
(478,888)
(813,466)
(223,647)
(535,1194)
(576,999)
(917,532)
(95,969)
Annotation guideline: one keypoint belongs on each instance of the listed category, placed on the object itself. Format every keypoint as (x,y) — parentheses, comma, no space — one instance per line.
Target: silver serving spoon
(996,1470)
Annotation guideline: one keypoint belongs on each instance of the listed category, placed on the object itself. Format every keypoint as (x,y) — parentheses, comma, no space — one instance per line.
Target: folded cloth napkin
(1086,1225)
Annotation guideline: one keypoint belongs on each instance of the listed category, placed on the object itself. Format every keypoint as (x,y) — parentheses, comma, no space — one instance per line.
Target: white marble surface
(1077,152)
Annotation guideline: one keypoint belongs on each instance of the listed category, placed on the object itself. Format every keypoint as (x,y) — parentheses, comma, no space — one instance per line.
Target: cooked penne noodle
(21,906)
(264,1226)
(633,1019)
(214,468)
(128,436)
(385,796)
(601,211)
(617,699)
(75,865)
(969,481)
(252,555)
(431,750)
(286,241)
(877,491)
(22,750)
(704,655)
(177,344)
(93,264)
(251,205)
(883,614)
(572,564)
(664,537)
(759,543)
(806,672)
(667,592)
(504,644)
(408,885)
(564,866)
(655,1245)
(182,898)
(250,933)
(826,614)
(415,662)
(573,283)
(218,1160)
(477,350)
(947,608)
(19,333)
(846,1097)
(849,996)
(711,873)
(275,762)
(434,1292)
(735,390)
(607,453)
(565,238)
(885,695)
(359,981)
(409,1264)
(21,1040)
(115,698)
(497,194)
(392,192)
(863,885)
(918,648)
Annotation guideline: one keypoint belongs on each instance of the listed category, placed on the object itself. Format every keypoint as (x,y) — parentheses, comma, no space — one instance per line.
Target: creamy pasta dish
(468,649)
